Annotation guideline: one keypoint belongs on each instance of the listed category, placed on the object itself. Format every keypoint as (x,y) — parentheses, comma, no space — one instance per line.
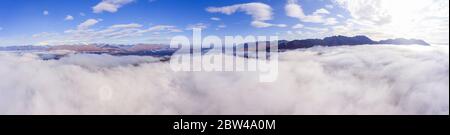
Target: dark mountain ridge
(343,40)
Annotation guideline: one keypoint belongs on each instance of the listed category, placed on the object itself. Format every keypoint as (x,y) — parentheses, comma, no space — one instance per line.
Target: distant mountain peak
(403,41)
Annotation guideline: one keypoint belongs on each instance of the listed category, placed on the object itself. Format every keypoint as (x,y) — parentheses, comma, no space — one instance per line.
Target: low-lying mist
(321,80)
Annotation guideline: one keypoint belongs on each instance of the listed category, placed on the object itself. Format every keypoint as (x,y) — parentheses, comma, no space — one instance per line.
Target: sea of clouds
(321,80)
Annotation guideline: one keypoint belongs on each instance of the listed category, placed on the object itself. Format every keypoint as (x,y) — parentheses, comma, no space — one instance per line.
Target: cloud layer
(87,32)
(337,80)
(423,19)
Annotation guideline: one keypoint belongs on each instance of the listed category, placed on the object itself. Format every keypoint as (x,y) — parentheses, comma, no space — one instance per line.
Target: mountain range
(343,40)
(159,50)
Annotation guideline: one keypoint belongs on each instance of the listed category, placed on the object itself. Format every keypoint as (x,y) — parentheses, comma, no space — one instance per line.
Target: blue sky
(44,22)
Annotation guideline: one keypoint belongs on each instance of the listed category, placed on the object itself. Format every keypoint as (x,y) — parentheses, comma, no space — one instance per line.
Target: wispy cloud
(110,5)
(215,18)
(260,13)
(88,23)
(69,18)
(45,12)
(85,33)
(164,28)
(198,26)
(295,10)
(298,26)
(424,19)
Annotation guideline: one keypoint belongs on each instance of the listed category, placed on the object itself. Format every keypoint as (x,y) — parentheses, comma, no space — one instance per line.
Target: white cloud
(160,27)
(369,10)
(118,33)
(298,26)
(329,6)
(318,30)
(308,32)
(259,12)
(87,24)
(82,14)
(69,18)
(168,28)
(260,24)
(295,10)
(215,18)
(45,12)
(198,26)
(126,26)
(330,21)
(321,80)
(221,26)
(289,32)
(110,5)
(423,19)
(280,25)
(321,11)
(44,34)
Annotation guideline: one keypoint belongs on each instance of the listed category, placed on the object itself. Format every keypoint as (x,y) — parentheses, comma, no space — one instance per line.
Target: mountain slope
(343,40)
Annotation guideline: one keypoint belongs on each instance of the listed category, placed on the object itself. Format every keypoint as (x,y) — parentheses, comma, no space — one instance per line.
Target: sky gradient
(55,22)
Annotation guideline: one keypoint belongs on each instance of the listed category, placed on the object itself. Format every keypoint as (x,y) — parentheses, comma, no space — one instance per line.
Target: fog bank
(320,80)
